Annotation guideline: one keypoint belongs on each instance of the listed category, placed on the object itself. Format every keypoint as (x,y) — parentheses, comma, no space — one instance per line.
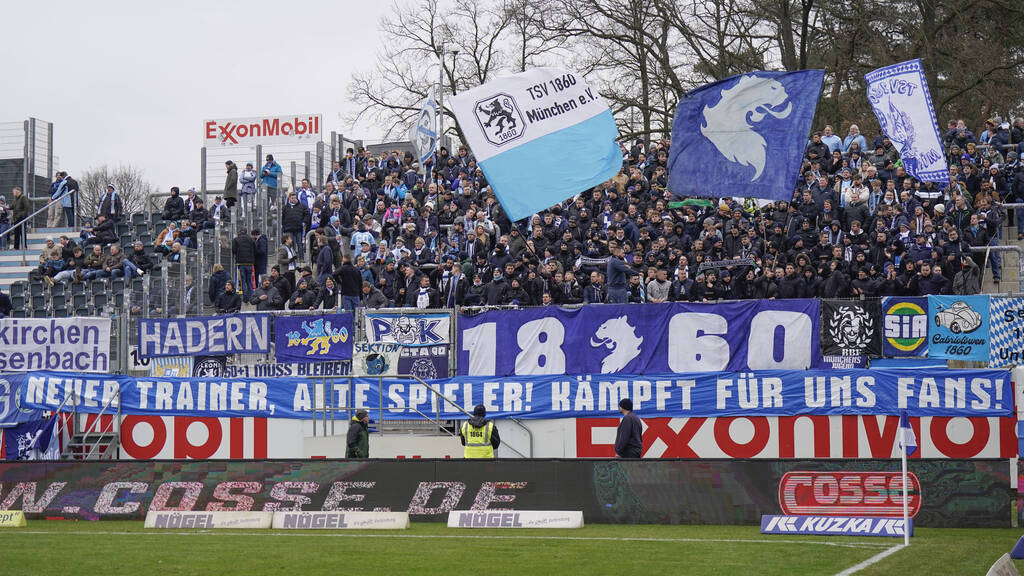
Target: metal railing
(329,410)
(21,225)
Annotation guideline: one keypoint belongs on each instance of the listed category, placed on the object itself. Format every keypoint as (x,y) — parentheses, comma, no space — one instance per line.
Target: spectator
(854,138)
(231,184)
(324,259)
(228,301)
(219,212)
(293,220)
(262,251)
(174,206)
(111,206)
(19,212)
(219,278)
(373,298)
(329,296)
(350,283)
(303,298)
(269,175)
(94,261)
(244,251)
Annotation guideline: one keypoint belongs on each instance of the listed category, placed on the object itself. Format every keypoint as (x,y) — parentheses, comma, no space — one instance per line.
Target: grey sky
(132,82)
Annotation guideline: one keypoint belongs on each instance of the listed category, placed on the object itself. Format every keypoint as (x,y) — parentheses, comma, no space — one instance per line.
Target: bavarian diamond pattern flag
(1006,332)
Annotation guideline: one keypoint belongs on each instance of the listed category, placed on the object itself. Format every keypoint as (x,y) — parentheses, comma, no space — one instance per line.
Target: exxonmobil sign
(288,129)
(842,493)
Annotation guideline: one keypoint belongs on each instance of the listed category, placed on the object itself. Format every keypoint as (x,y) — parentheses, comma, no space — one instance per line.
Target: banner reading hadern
(204,335)
(899,96)
(642,338)
(746,134)
(313,338)
(851,328)
(958,327)
(905,326)
(1006,332)
(938,392)
(69,344)
(540,136)
(423,132)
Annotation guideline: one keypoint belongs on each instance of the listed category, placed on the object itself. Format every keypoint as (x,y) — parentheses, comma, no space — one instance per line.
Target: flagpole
(906,524)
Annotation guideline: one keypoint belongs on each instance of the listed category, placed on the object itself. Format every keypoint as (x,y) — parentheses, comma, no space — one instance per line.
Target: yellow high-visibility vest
(478,440)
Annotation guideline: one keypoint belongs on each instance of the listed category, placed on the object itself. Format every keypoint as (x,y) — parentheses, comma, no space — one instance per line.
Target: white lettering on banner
(63,344)
(696,343)
(290,129)
(215,335)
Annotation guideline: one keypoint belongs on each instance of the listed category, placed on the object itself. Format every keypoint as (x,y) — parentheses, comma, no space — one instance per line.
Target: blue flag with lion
(743,136)
(323,338)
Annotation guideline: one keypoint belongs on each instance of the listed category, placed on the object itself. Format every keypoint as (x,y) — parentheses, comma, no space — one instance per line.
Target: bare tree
(129,181)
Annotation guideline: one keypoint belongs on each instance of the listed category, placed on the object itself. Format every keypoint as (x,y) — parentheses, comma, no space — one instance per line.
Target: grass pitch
(112,547)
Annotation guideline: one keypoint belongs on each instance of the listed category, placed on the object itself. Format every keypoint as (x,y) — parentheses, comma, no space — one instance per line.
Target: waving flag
(540,136)
(423,132)
(725,134)
(899,96)
(36,440)
(906,440)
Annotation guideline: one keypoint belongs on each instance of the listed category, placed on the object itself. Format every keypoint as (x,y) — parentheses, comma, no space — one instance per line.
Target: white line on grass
(467,536)
(874,559)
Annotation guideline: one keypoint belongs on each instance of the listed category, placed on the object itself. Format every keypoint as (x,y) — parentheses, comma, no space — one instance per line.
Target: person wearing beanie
(479,435)
(629,437)
(358,438)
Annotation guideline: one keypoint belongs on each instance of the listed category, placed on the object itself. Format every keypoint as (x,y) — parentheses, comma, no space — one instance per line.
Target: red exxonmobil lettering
(230,132)
(803,437)
(841,493)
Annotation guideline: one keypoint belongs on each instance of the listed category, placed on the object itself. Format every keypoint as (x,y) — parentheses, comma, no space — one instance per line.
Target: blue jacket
(274,170)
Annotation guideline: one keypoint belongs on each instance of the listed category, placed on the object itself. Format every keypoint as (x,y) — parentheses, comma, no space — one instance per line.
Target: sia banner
(929,392)
(640,339)
(905,325)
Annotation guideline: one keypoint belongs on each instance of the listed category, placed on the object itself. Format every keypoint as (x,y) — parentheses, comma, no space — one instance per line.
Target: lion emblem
(319,336)
(618,336)
(851,328)
(729,125)
(500,111)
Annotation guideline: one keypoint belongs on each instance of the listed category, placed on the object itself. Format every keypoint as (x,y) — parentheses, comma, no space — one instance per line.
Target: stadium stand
(857,226)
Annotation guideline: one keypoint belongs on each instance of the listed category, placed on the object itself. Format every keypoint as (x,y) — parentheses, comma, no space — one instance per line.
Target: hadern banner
(905,327)
(959,327)
(313,338)
(68,344)
(287,129)
(204,335)
(642,338)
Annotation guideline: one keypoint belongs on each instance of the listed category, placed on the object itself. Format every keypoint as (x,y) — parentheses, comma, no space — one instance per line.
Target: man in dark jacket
(266,297)
(629,437)
(111,205)
(260,264)
(373,297)
(244,251)
(228,302)
(19,211)
(174,206)
(294,215)
(231,184)
(479,435)
(358,438)
(350,281)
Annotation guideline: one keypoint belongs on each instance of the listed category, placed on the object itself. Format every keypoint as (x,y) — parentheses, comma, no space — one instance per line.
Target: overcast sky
(131,82)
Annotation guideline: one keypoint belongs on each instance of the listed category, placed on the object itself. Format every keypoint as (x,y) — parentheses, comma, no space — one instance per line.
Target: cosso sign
(836,493)
(290,129)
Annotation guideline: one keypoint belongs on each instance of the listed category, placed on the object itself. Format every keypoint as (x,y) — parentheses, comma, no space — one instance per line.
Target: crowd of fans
(384,235)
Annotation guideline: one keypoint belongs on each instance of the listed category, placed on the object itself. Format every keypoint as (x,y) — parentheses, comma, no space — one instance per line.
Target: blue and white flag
(540,136)
(35,440)
(423,132)
(724,133)
(906,440)
(899,96)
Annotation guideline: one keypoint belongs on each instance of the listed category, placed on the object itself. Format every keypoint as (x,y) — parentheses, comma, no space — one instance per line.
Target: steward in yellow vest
(479,435)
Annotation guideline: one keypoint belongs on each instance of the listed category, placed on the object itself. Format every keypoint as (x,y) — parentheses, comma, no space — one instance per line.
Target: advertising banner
(938,392)
(642,338)
(905,327)
(68,344)
(204,335)
(287,129)
(851,328)
(1006,341)
(959,494)
(313,338)
(959,327)
(408,329)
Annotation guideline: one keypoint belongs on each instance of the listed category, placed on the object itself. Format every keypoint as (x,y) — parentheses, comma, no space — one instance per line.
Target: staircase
(92,437)
(13,268)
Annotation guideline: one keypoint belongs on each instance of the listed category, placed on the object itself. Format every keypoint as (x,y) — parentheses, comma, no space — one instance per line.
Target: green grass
(111,548)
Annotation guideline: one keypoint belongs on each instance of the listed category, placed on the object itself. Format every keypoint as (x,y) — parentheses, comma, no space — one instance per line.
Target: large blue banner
(905,325)
(746,134)
(926,392)
(642,338)
(204,336)
(900,99)
(313,338)
(959,327)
